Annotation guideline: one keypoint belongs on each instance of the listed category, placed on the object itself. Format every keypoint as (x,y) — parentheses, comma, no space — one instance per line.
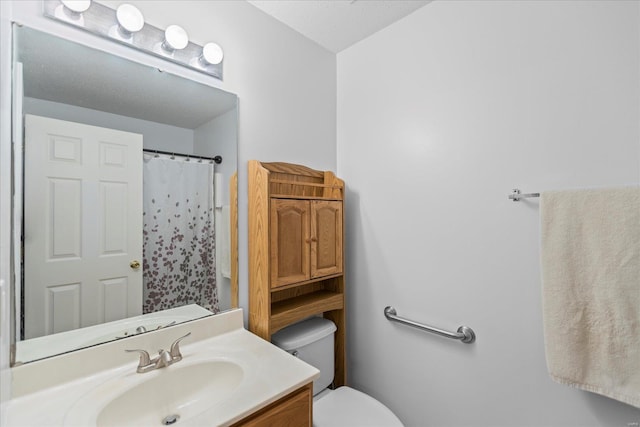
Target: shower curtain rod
(216,159)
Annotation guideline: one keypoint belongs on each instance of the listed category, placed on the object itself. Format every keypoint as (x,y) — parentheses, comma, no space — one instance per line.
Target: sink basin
(166,396)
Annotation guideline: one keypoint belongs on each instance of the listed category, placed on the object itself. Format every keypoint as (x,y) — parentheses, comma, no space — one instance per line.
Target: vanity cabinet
(293,410)
(296,256)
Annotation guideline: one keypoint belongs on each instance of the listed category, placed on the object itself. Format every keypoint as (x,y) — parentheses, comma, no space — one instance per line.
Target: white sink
(167,396)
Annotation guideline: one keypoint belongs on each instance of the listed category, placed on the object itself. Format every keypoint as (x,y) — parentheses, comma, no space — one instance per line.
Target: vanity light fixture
(76,6)
(71,10)
(175,38)
(130,20)
(211,54)
(126,25)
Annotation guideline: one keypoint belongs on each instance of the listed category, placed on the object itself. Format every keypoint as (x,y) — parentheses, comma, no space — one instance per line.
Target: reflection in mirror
(125,215)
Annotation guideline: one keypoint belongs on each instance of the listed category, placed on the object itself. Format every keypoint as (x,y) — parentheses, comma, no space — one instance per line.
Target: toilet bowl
(312,341)
(346,406)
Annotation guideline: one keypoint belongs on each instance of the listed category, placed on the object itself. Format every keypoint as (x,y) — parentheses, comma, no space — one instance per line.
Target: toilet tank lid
(303,333)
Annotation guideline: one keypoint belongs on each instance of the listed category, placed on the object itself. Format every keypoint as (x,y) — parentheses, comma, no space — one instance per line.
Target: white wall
(156,136)
(218,137)
(439,117)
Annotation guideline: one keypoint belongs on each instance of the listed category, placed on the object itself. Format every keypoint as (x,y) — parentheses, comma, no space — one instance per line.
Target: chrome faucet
(164,358)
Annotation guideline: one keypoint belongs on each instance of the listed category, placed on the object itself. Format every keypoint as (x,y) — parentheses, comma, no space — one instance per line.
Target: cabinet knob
(314,239)
(135,264)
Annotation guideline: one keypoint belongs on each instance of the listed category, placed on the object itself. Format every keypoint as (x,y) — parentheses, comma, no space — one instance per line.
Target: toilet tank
(312,341)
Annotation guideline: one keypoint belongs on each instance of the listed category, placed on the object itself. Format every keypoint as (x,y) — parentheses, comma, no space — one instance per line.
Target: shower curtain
(179,264)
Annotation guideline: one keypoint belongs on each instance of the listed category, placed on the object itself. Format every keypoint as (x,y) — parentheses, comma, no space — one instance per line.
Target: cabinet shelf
(302,197)
(305,282)
(291,310)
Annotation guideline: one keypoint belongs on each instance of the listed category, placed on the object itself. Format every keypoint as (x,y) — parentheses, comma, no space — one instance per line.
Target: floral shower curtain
(179,264)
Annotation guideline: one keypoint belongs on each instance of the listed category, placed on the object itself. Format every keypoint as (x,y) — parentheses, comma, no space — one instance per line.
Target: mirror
(124,222)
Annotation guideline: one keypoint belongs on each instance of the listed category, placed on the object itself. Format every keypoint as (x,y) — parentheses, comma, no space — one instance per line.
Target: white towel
(224,241)
(590,255)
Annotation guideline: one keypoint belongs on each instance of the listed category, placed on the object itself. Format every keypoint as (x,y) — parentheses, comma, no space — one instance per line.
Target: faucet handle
(164,358)
(175,348)
(145,359)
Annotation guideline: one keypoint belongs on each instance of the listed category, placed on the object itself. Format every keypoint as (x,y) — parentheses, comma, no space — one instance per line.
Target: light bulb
(175,38)
(212,54)
(77,6)
(130,19)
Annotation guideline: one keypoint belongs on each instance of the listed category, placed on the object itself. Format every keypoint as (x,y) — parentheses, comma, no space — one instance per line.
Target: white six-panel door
(83,225)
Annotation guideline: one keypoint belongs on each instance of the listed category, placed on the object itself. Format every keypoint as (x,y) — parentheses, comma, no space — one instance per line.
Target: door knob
(135,264)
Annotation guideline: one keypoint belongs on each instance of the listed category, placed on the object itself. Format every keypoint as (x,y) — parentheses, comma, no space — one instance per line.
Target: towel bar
(464,334)
(516,195)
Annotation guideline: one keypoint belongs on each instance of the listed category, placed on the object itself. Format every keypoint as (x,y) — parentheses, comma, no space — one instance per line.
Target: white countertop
(269,373)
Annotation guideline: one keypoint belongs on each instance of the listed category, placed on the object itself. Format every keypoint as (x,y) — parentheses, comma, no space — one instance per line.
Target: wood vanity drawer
(293,410)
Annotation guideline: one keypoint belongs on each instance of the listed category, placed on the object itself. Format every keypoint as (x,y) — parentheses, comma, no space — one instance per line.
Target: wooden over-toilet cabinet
(296,256)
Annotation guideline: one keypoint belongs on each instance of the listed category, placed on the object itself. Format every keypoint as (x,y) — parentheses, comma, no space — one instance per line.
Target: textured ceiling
(338,24)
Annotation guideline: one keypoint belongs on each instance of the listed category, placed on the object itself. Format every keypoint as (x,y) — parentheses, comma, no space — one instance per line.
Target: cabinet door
(294,410)
(289,241)
(326,238)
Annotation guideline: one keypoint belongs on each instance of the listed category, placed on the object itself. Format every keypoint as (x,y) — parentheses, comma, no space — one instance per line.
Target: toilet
(312,341)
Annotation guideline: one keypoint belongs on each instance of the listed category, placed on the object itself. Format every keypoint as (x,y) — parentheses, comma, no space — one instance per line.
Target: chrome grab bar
(464,334)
